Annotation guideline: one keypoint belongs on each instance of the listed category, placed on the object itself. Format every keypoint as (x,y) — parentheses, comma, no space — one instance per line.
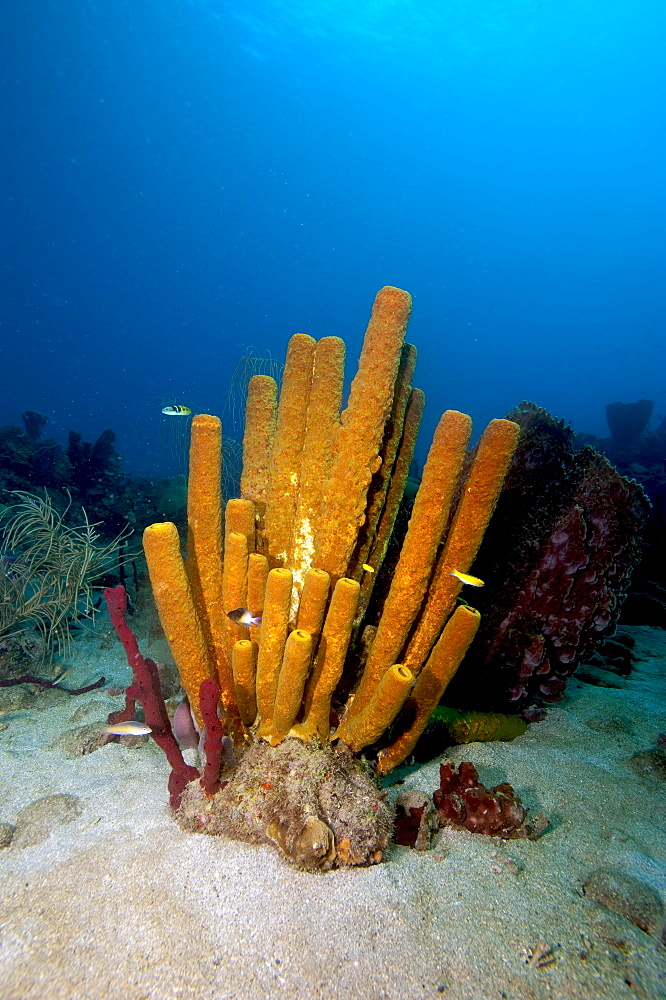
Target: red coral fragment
(462,800)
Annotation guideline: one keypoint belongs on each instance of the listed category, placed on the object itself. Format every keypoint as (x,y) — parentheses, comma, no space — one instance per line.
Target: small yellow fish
(177,411)
(473,581)
(367,568)
(242,616)
(127,729)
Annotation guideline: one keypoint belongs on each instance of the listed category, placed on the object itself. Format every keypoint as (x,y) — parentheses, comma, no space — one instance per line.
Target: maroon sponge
(557,561)
(462,800)
(209,697)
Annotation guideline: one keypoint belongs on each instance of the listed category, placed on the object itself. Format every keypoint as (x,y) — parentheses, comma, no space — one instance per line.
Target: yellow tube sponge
(239,517)
(272,639)
(321,421)
(358,439)
(431,683)
(234,583)
(260,414)
(293,675)
(429,518)
(330,659)
(204,532)
(287,447)
(312,607)
(395,492)
(475,507)
(175,606)
(257,574)
(388,698)
(243,661)
(381,481)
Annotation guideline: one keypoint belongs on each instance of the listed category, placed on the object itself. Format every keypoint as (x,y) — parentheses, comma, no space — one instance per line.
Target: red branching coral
(557,562)
(462,800)
(146,689)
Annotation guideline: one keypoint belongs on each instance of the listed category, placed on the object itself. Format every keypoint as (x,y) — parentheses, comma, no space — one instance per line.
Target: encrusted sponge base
(315,802)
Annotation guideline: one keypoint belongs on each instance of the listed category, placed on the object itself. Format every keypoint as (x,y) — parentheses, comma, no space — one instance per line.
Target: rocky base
(315,802)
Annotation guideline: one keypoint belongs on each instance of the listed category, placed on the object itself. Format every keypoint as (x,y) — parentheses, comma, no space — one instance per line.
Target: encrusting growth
(303,550)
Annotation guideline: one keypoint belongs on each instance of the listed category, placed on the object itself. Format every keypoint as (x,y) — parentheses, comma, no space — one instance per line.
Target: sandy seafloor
(119,904)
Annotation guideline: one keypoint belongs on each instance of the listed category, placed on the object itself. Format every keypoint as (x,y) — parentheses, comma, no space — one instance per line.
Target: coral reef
(34,423)
(27,462)
(85,476)
(302,551)
(557,563)
(627,421)
(640,453)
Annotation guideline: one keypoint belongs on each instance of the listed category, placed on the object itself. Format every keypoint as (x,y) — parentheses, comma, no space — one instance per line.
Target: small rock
(590,674)
(608,724)
(650,764)
(627,896)
(626,638)
(83,740)
(41,817)
(6,834)
(618,656)
(95,708)
(505,863)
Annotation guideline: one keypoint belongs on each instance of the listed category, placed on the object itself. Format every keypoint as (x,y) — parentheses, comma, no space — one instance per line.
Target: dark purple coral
(462,800)
(557,561)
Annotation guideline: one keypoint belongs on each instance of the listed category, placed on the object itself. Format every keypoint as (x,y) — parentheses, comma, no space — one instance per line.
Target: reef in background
(641,455)
(84,476)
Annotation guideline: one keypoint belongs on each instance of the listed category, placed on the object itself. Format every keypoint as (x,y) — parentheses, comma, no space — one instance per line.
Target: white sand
(121,905)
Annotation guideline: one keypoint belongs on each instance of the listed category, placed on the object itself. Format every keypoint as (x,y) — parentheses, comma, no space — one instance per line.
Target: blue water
(181,181)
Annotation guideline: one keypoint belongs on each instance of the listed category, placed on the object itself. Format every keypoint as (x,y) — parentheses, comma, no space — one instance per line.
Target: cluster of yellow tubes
(302,547)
